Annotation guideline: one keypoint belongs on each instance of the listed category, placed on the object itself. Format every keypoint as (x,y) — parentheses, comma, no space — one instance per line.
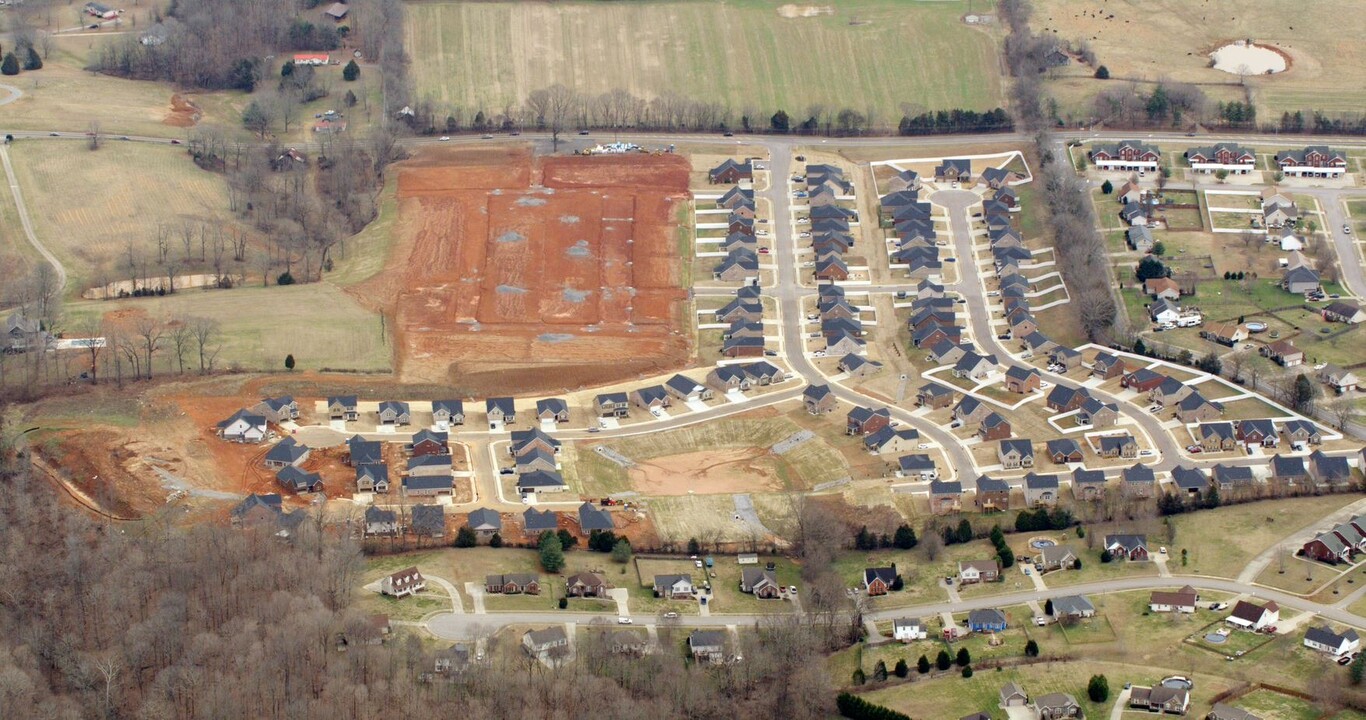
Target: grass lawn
(1271,704)
(920,575)
(1222,541)
(726,586)
(1085,631)
(324,327)
(1236,643)
(1300,576)
(1249,408)
(363,255)
(1093,570)
(1183,218)
(738,54)
(413,607)
(122,193)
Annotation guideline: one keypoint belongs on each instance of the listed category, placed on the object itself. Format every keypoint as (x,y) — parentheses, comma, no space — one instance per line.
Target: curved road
(27,223)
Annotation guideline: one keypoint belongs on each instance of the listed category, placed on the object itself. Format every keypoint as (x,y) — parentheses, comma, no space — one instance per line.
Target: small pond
(1242,58)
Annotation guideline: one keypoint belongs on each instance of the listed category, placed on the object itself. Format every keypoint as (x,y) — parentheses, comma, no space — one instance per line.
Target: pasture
(324,327)
(87,206)
(1171,39)
(869,55)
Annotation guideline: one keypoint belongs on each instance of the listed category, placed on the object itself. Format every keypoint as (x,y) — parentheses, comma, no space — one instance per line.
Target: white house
(403,583)
(243,427)
(1324,640)
(1181,601)
(907,629)
(1250,616)
(1164,311)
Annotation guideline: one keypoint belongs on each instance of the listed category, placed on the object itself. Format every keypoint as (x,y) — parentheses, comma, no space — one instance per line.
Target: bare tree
(182,337)
(1342,410)
(551,107)
(206,341)
(93,137)
(150,331)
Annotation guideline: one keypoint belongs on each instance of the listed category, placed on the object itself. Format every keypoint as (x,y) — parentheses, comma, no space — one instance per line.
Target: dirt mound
(492,290)
(183,112)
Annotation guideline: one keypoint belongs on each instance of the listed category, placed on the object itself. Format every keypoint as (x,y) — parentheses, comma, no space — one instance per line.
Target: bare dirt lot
(521,274)
(713,471)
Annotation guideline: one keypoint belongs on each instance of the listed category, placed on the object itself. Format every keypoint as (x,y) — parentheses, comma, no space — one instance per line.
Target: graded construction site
(518,274)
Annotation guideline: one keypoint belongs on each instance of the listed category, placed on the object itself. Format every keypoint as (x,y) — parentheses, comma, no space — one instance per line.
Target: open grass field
(86,206)
(324,328)
(1171,39)
(1271,704)
(739,54)
(1222,541)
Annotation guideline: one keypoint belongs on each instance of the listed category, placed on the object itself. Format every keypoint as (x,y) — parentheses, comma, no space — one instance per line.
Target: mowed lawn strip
(738,54)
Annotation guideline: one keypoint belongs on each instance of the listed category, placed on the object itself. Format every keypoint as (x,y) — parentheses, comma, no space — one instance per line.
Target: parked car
(1145,453)
(445,138)
(670,615)
(623,621)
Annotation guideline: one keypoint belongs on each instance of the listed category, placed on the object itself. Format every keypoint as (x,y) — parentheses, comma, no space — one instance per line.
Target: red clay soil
(515,274)
(183,112)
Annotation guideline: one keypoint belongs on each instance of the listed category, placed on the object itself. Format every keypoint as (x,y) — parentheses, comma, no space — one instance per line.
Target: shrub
(1098,689)
(967,671)
(1102,73)
(902,669)
(1107,187)
(943,661)
(465,537)
(1031,649)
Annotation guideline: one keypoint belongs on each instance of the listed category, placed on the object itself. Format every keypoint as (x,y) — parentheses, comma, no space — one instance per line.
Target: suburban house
(1117,446)
(1316,161)
(1107,366)
(1229,334)
(863,420)
(428,521)
(727,378)
(1233,158)
(501,411)
(986,620)
(429,466)
(423,485)
(993,494)
(554,410)
(1127,547)
(1065,357)
(730,172)
(879,580)
(1283,353)
(707,645)
(342,407)
(614,404)
(1056,706)
(1073,607)
(1142,380)
(292,478)
(379,521)
(891,441)
(1324,640)
(1164,312)
(1056,557)
(993,427)
(1012,695)
(1138,481)
(393,412)
(1017,453)
(1300,280)
(1169,392)
(1302,431)
(933,395)
(1329,470)
(651,398)
(1160,699)
(484,522)
(1138,235)
(904,180)
(975,571)
(286,453)
(685,388)
(858,366)
(673,587)
(953,170)
(1216,436)
(448,412)
(525,441)
(1088,485)
(1022,380)
(429,442)
(1254,617)
(1344,312)
(1257,431)
(818,399)
(760,582)
(917,466)
(243,427)
(1125,155)
(260,509)
(540,481)
(1189,481)
(1339,379)
(586,584)
(946,497)
(512,584)
(543,644)
(1129,192)
(1098,414)
(593,518)
(1063,399)
(1327,547)
(1181,601)
(1162,288)
(1289,471)
(1040,490)
(1195,408)
(403,583)
(998,177)
(277,410)
(908,629)
(372,477)
(538,521)
(1062,451)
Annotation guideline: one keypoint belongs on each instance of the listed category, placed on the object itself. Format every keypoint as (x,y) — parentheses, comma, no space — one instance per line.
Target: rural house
(975,571)
(673,587)
(1012,695)
(512,584)
(880,580)
(1160,699)
(1056,706)
(1254,617)
(1325,640)
(760,582)
(1339,379)
(908,629)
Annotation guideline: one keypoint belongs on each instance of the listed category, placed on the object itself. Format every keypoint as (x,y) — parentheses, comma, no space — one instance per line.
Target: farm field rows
(739,54)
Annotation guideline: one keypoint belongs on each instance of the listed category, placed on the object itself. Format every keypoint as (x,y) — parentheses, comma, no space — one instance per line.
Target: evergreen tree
(465,537)
(1102,73)
(859,678)
(967,672)
(1105,556)
(287,70)
(621,551)
(567,540)
(904,539)
(1107,187)
(351,71)
(902,669)
(964,658)
(289,361)
(10,65)
(33,61)
(780,122)
(964,531)
(552,553)
(693,547)
(943,661)
(1098,689)
(880,671)
(496,540)
(922,665)
(1031,649)
(1358,669)
(1048,607)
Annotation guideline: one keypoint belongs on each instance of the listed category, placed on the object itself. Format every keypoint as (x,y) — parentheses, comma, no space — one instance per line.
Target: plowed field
(519,274)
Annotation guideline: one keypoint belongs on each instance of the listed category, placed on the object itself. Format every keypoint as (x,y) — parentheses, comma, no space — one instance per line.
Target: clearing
(510,272)
(743,56)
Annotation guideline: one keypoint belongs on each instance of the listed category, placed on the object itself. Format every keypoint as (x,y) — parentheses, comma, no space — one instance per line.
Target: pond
(1243,58)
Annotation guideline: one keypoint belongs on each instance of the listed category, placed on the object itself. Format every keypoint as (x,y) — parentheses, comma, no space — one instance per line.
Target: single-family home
(538,521)
(546,643)
(1016,453)
(1325,640)
(613,404)
(286,453)
(986,620)
(1216,436)
(1138,235)
(403,583)
(946,496)
(1289,471)
(685,388)
(1072,607)
(864,420)
(1339,379)
(554,410)
(372,477)
(1195,408)
(501,411)
(994,427)
(673,587)
(1056,706)
(1117,446)
(975,571)
(1162,288)
(760,582)
(1254,617)
(379,521)
(1300,280)
(1040,490)
(1138,481)
(934,395)
(1063,451)
(586,584)
(1088,485)
(993,494)
(1127,547)
(592,517)
(1164,311)
(1134,214)
(1020,379)
(891,441)
(292,478)
(278,409)
(1012,695)
(1056,557)
(1064,357)
(429,442)
(858,366)
(1107,366)
(342,407)
(243,427)
(1160,699)
(953,170)
(731,171)
(484,522)
(1189,482)
(428,521)
(651,398)
(394,412)
(448,412)
(707,645)
(1229,334)
(1283,353)
(1179,601)
(1302,431)
(512,584)
(1142,380)
(908,629)
(1221,711)
(425,485)
(1328,470)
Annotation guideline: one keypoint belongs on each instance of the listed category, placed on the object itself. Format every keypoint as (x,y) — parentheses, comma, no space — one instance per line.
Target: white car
(623,621)
(1145,453)
(761,233)
(819,353)
(670,615)
(698,563)
(993,293)
(804,234)
(445,138)
(925,446)
(1162,551)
